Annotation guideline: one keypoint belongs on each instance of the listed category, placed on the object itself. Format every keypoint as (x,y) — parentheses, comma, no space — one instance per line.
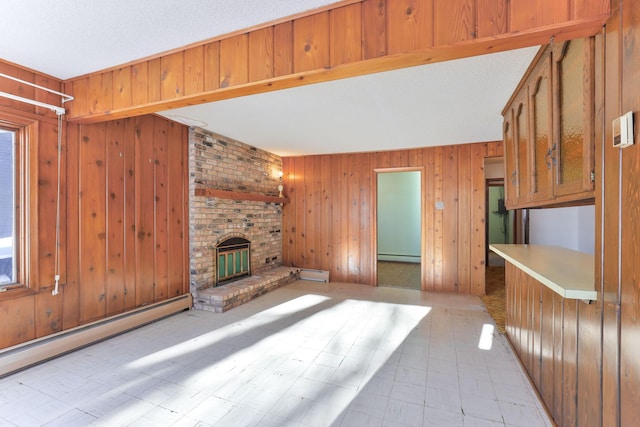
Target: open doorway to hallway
(399,228)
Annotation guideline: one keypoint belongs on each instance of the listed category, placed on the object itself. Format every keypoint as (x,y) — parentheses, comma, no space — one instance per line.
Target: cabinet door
(573,113)
(541,163)
(510,161)
(522,143)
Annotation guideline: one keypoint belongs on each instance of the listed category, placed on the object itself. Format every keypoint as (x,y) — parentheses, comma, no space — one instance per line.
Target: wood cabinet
(548,129)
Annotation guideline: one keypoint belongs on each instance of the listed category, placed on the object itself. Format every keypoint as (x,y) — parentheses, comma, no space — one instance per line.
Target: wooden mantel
(239,195)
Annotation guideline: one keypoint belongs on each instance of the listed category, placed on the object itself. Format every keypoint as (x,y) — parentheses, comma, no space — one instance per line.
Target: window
(8,208)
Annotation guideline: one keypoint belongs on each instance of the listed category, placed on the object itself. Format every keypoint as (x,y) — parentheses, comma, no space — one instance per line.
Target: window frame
(24,130)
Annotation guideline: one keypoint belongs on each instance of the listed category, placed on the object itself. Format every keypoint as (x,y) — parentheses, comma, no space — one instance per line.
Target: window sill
(15,291)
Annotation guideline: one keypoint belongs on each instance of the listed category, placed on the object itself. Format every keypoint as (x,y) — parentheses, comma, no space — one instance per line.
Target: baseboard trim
(24,355)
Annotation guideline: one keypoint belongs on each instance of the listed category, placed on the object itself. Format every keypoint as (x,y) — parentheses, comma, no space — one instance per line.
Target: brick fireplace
(222,172)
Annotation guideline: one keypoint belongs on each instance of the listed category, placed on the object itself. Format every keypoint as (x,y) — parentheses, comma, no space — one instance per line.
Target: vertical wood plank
(465,219)
(584,8)
(455,21)
(478,220)
(491,17)
(172,75)
(45,208)
(301,227)
(144,211)
(589,365)
(313,202)
(535,335)
(18,321)
(234,60)
(367,258)
(630,227)
(122,88)
(374,28)
(339,211)
(100,92)
(154,80)
(70,305)
(558,338)
(547,372)
(115,286)
(438,225)
(194,70)
(261,54)
(326,242)
(43,96)
(130,195)
(525,14)
(80,90)
(346,34)
(283,49)
(211,66)
(429,218)
(160,171)
(311,42)
(410,25)
(355,175)
(48,316)
(570,364)
(287,218)
(92,210)
(607,169)
(17,88)
(139,83)
(450,219)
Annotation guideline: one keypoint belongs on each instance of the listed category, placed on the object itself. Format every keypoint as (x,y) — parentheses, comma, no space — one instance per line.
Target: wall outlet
(623,130)
(440,205)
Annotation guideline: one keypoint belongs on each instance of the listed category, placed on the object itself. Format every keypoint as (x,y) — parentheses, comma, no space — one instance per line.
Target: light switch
(439,205)
(623,130)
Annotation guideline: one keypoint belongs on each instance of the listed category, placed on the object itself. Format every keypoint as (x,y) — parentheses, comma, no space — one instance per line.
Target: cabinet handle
(547,158)
(550,158)
(513,177)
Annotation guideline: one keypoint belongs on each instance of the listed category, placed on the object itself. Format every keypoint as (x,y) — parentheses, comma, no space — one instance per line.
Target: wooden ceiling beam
(352,39)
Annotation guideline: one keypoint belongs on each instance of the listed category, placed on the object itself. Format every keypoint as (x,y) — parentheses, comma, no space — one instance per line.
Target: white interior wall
(572,227)
(399,216)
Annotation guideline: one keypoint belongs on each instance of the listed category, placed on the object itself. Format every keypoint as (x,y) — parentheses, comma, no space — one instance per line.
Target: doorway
(500,225)
(399,228)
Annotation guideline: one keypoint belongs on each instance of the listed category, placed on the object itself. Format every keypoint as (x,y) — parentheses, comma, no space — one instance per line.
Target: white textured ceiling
(68,38)
(446,103)
(453,102)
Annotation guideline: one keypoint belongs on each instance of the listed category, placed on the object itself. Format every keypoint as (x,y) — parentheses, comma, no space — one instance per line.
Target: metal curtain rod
(58,110)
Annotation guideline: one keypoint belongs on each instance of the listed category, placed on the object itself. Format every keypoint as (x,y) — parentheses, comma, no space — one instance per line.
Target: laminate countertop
(569,273)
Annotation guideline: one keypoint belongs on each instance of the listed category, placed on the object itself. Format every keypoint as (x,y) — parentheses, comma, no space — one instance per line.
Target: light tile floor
(308,354)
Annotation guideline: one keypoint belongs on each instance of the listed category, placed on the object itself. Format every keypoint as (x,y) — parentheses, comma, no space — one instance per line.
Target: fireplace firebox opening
(233,258)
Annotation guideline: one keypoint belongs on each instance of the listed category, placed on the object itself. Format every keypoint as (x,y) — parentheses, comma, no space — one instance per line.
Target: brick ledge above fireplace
(226,297)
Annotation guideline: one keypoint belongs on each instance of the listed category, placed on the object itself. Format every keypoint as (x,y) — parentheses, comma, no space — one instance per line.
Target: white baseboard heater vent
(24,355)
(315,275)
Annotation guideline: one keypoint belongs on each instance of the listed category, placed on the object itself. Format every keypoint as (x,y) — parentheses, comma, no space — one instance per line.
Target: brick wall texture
(221,163)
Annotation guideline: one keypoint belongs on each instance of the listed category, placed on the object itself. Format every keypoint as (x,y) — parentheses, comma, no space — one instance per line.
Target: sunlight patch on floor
(486,337)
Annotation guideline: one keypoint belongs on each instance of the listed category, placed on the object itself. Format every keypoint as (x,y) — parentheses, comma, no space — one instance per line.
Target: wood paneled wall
(552,337)
(330,222)
(583,358)
(344,40)
(32,312)
(128,244)
(124,216)
(618,202)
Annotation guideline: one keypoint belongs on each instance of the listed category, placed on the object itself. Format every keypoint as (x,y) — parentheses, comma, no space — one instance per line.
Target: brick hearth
(226,297)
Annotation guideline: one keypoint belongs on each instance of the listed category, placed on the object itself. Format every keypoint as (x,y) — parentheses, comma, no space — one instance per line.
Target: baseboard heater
(24,355)
(315,275)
